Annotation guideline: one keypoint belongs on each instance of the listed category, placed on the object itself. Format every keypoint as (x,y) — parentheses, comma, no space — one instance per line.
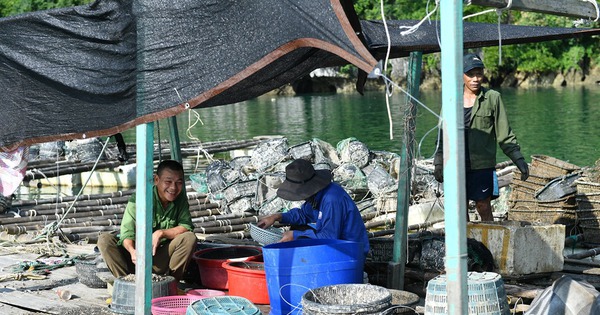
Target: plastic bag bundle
(325,153)
(350,176)
(380,181)
(240,189)
(302,151)
(84,150)
(274,205)
(199,182)
(353,151)
(268,153)
(267,187)
(219,174)
(50,150)
(240,206)
(243,165)
(5,203)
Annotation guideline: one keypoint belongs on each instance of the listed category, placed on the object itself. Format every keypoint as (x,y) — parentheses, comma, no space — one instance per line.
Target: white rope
(385,62)
(188,131)
(408,94)
(499,13)
(582,21)
(596,7)
(414,28)
(53,227)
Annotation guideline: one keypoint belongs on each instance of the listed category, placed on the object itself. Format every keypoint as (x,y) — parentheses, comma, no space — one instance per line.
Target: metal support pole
(143,214)
(174,140)
(454,162)
(397,266)
(144,137)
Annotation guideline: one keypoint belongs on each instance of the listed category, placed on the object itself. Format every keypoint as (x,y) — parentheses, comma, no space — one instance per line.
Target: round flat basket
(265,236)
(347,299)
(173,305)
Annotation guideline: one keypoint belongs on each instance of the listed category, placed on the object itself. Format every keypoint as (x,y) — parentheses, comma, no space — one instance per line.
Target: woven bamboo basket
(527,185)
(518,193)
(591,233)
(534,178)
(547,216)
(588,196)
(552,167)
(588,214)
(587,187)
(585,203)
(563,203)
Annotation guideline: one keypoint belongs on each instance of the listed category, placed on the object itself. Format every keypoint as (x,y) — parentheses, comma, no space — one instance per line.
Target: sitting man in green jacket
(173,240)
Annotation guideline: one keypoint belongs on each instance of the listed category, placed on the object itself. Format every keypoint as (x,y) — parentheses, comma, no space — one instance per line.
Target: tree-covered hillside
(578,54)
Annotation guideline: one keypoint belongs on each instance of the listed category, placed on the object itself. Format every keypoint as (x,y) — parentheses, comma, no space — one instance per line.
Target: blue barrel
(292,268)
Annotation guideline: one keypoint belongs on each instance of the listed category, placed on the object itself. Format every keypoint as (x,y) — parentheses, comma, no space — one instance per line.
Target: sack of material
(567,297)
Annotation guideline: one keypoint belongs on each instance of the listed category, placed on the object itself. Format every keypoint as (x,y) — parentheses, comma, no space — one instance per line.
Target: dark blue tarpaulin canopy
(102,68)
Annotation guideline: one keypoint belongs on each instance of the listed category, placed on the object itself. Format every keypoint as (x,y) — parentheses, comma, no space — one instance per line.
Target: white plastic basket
(265,236)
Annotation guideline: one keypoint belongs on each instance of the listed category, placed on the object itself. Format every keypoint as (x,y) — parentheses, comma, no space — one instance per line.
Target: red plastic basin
(247,279)
(210,263)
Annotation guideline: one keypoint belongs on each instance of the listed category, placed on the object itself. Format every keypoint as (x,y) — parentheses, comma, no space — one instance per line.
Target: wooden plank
(571,8)
(34,302)
(524,291)
(9,309)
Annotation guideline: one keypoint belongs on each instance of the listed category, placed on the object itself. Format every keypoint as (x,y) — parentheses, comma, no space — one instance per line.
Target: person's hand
(523,168)
(287,236)
(267,221)
(438,173)
(156,237)
(133,254)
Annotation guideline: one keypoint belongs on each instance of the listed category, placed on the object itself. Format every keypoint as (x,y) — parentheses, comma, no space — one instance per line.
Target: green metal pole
(143,214)
(144,137)
(174,140)
(398,264)
(454,156)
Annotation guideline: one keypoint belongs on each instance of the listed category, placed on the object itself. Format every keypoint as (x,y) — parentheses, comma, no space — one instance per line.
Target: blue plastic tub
(292,268)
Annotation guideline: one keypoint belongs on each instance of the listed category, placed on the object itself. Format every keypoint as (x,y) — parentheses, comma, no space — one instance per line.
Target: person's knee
(105,240)
(188,238)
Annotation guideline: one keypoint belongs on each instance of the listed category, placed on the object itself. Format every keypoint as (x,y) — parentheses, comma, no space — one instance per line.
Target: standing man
(486,124)
(326,203)
(173,241)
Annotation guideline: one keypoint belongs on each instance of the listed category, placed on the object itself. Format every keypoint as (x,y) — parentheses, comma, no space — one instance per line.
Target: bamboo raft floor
(27,297)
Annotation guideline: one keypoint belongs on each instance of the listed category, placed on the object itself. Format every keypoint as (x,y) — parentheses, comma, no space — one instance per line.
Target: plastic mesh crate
(485,290)
(233,305)
(173,305)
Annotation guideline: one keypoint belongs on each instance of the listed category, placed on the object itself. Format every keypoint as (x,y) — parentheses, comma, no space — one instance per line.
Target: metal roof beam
(571,8)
